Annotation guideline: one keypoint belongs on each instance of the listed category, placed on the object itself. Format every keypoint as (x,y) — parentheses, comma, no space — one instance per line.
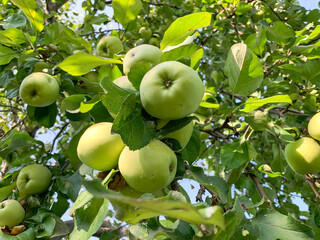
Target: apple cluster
(32,179)
(168,91)
(303,156)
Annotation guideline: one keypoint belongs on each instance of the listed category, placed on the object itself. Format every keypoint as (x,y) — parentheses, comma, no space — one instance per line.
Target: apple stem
(311,185)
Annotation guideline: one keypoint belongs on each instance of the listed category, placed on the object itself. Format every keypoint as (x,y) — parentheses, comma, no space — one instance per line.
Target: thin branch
(161,4)
(260,189)
(57,136)
(13,127)
(4,169)
(311,185)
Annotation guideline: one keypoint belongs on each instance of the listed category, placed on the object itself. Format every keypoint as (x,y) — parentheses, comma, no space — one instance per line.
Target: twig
(200,193)
(4,169)
(162,4)
(13,127)
(260,189)
(311,185)
(57,136)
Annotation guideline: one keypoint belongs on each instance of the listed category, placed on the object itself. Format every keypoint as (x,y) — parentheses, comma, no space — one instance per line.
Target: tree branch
(308,178)
(13,127)
(57,136)
(260,189)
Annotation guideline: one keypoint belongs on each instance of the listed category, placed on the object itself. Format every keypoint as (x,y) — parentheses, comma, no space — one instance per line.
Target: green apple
(314,126)
(39,89)
(171,90)
(98,148)
(303,156)
(141,53)
(40,66)
(154,41)
(108,46)
(33,179)
(150,168)
(145,32)
(124,82)
(182,135)
(11,213)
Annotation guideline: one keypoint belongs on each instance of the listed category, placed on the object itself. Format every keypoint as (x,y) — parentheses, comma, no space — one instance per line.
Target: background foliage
(259,61)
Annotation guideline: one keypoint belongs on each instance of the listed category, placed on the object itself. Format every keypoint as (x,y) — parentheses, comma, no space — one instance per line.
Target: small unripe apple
(98,148)
(33,179)
(39,89)
(108,46)
(314,126)
(141,53)
(303,156)
(154,41)
(145,32)
(11,213)
(150,168)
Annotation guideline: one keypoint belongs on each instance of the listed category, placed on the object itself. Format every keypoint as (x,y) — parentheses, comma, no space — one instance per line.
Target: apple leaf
(214,183)
(29,234)
(69,185)
(126,11)
(183,27)
(136,74)
(89,218)
(254,103)
(6,191)
(6,55)
(192,51)
(234,154)
(243,69)
(174,125)
(280,33)
(114,97)
(82,63)
(191,151)
(311,71)
(12,36)
(146,208)
(135,129)
(45,116)
(270,224)
(29,7)
(100,114)
(15,20)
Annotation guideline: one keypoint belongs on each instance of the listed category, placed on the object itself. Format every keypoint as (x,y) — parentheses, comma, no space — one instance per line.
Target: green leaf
(214,183)
(258,42)
(147,208)
(82,63)
(192,51)
(12,37)
(72,103)
(311,71)
(70,185)
(45,116)
(126,11)
(191,151)
(254,103)
(137,73)
(14,21)
(6,191)
(136,131)
(174,125)
(89,218)
(6,55)
(270,224)
(234,154)
(280,33)
(47,227)
(29,234)
(29,7)
(183,27)
(243,69)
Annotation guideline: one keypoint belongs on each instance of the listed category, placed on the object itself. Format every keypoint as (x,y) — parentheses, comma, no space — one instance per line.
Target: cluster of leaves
(258,59)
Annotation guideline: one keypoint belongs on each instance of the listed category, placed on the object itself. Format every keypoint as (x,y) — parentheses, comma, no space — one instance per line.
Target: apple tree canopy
(259,63)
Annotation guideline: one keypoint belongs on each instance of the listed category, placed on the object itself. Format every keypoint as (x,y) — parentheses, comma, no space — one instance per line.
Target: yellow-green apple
(108,46)
(33,179)
(11,213)
(124,82)
(171,90)
(145,32)
(98,148)
(150,168)
(182,135)
(39,89)
(141,53)
(314,126)
(154,41)
(303,156)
